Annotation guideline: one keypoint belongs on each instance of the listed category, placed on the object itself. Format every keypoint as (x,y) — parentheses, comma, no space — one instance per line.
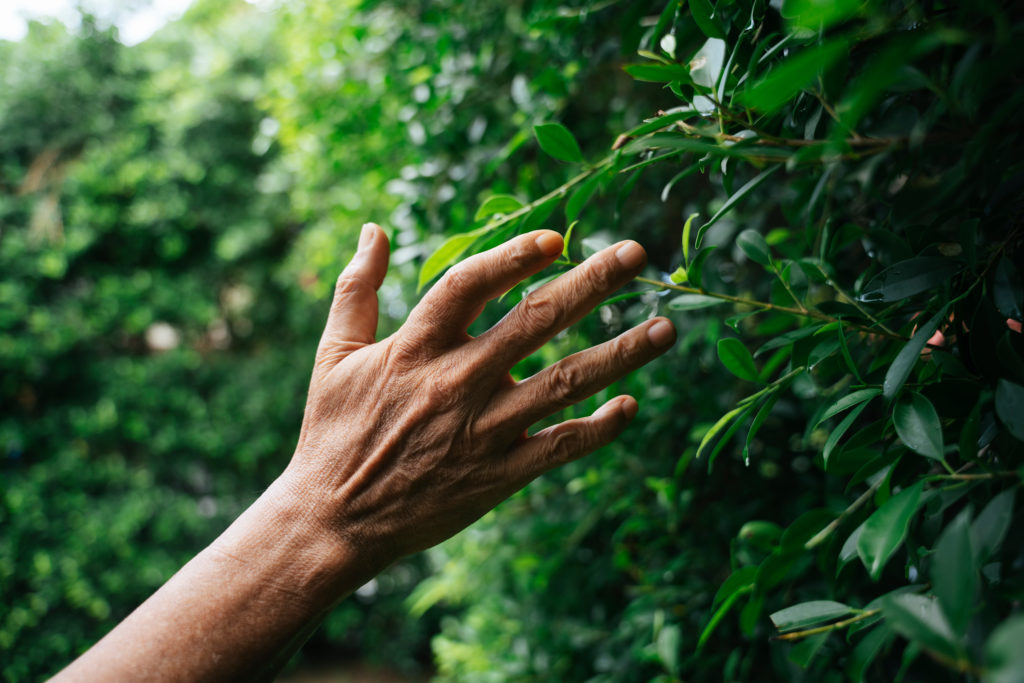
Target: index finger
(459,296)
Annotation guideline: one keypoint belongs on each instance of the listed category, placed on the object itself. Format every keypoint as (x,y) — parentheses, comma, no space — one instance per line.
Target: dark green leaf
(918,426)
(989,529)
(954,574)
(659,73)
(885,530)
(919,619)
(754,246)
(719,426)
(816,15)
(1010,406)
(737,359)
(704,16)
(762,414)
(783,82)
(969,434)
(808,614)
(849,401)
(696,268)
(579,198)
(906,359)
(840,431)
(682,142)
(1007,290)
(499,203)
(865,652)
(908,278)
(737,197)
(558,142)
(787,338)
(738,580)
(1004,656)
(538,216)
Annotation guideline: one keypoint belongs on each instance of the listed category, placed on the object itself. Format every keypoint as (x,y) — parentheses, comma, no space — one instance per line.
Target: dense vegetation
(821,482)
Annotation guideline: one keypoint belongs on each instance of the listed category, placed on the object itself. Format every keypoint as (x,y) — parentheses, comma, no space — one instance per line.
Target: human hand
(408,440)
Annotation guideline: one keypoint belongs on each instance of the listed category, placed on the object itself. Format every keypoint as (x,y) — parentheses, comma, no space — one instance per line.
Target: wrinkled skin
(408,440)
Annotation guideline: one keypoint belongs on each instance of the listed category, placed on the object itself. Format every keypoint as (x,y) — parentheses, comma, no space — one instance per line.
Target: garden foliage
(822,482)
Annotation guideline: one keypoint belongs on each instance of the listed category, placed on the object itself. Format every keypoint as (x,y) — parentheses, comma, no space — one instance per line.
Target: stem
(820,537)
(799,635)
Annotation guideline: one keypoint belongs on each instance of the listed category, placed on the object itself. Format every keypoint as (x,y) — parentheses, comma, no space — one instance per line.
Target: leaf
(1007,290)
(499,203)
(658,73)
(897,374)
(918,426)
(885,530)
(865,652)
(556,140)
(816,15)
(762,414)
(1004,656)
(808,614)
(782,83)
(907,278)
(717,427)
(840,431)
(447,254)
(737,359)
(738,196)
(989,529)
(668,645)
(787,338)
(706,65)
(539,215)
(954,574)
(696,268)
(919,619)
(682,142)
(565,240)
(848,401)
(686,237)
(849,549)
(704,16)
(738,580)
(692,302)
(678,275)
(579,198)
(1010,406)
(753,245)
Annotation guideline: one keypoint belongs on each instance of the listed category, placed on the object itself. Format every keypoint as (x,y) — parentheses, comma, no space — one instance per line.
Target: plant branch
(800,635)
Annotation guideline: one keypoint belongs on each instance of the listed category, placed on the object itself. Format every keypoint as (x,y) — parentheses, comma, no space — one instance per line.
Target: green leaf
(538,216)
(1004,656)
(885,530)
(692,302)
(686,237)
(783,82)
(659,73)
(849,549)
(737,359)
(717,427)
(736,198)
(704,16)
(897,374)
(499,203)
(907,278)
(668,646)
(678,275)
(954,574)
(865,652)
(969,434)
(706,65)
(1010,406)
(565,240)
(808,614)
(918,426)
(919,619)
(816,15)
(787,338)
(579,198)
(696,267)
(753,245)
(556,140)
(848,401)
(738,580)
(840,431)
(762,414)
(684,143)
(447,254)
(989,529)
(1007,290)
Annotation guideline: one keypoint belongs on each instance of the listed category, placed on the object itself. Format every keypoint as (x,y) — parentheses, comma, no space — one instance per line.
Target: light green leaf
(668,645)
(692,302)
(808,614)
(706,65)
(783,82)
(565,240)
(1004,656)
(919,619)
(885,530)
(1010,406)
(678,276)
(499,203)
(686,237)
(907,358)
(753,245)
(918,426)
(718,426)
(556,140)
(447,254)
(954,574)
(848,401)
(736,198)
(737,359)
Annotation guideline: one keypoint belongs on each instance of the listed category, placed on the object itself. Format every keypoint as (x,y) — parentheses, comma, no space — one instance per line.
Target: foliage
(821,482)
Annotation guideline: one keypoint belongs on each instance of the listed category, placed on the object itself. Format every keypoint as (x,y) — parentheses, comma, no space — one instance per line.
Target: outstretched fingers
(569,440)
(352,323)
(456,300)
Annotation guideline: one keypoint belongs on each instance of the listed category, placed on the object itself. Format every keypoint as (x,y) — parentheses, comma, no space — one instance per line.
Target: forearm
(240,607)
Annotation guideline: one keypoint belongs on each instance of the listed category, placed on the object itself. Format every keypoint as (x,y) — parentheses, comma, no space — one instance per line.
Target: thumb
(352,322)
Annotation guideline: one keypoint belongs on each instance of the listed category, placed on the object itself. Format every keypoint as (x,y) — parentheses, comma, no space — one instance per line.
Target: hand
(410,439)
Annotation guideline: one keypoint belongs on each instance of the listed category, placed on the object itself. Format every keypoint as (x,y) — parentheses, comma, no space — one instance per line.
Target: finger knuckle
(538,312)
(602,275)
(565,382)
(459,281)
(626,346)
(567,446)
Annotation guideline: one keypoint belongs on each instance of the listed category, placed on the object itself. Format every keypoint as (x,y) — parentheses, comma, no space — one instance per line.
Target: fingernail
(366,235)
(550,243)
(628,406)
(630,255)
(661,333)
